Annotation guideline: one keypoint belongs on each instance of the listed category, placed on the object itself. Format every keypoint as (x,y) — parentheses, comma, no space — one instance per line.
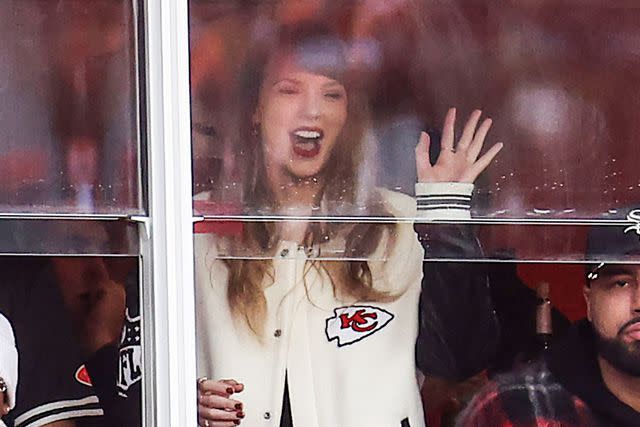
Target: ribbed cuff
(444,200)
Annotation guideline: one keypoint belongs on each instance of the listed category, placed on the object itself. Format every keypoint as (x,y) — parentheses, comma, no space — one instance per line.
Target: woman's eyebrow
(286,80)
(333,83)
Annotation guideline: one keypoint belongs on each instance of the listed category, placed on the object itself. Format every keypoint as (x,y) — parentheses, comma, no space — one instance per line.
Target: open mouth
(307,141)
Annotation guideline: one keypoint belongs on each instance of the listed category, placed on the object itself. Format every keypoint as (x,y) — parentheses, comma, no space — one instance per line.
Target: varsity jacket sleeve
(8,360)
(458,328)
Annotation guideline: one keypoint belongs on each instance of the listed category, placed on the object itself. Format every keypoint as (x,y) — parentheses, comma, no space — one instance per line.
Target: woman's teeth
(306,142)
(307,134)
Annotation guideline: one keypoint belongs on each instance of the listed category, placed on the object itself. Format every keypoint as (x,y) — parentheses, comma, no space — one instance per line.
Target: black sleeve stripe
(443,202)
(444,207)
(60,410)
(444,196)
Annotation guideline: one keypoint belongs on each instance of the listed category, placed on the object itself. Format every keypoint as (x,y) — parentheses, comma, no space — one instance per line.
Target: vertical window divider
(170,389)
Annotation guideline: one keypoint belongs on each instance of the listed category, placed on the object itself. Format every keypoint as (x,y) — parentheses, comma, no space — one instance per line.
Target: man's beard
(622,356)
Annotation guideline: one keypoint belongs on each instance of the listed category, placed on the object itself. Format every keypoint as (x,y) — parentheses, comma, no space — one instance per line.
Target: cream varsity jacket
(347,363)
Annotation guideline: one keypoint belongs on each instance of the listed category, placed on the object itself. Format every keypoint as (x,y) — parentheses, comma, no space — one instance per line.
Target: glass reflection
(68,237)
(567,122)
(68,107)
(301,129)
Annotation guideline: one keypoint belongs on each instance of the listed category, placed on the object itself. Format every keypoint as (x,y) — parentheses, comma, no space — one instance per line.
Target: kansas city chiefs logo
(354,323)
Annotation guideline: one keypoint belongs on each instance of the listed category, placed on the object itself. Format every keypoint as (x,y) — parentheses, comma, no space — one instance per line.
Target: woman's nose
(312,105)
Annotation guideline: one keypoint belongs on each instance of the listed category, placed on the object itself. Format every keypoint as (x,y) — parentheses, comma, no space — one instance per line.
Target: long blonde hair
(352,279)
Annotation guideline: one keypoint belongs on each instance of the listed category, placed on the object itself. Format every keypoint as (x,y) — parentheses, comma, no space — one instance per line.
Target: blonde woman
(289,338)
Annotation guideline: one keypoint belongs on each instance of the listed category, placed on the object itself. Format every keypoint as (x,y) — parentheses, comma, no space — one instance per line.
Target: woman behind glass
(292,340)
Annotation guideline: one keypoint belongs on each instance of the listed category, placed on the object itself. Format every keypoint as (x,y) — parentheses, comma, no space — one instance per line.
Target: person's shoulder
(528,396)
(506,397)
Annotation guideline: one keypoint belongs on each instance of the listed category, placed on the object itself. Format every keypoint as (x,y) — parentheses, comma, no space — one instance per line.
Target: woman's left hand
(456,162)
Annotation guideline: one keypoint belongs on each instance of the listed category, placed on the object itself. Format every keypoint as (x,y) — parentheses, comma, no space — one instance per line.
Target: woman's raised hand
(215,406)
(456,162)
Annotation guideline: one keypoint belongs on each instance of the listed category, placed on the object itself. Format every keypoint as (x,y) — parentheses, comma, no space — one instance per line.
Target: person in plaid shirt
(591,376)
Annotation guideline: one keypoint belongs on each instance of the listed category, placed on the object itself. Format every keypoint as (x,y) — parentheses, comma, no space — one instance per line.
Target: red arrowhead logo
(82,376)
(356,322)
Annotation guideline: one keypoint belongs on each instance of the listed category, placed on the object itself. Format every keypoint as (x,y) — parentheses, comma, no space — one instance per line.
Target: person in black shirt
(591,376)
(77,328)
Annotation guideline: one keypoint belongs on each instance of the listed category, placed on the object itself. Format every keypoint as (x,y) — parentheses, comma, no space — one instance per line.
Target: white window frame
(169,397)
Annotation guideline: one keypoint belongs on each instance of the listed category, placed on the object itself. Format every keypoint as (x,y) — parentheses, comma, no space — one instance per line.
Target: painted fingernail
(236,422)
(229,390)
(238,406)
(240,415)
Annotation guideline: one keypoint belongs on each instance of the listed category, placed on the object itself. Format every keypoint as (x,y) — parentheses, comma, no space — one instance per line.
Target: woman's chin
(305,173)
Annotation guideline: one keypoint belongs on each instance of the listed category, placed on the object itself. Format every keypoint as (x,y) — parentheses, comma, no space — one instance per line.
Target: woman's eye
(621,283)
(334,95)
(287,90)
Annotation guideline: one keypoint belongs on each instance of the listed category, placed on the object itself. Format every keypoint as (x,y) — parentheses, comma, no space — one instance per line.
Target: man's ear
(586,293)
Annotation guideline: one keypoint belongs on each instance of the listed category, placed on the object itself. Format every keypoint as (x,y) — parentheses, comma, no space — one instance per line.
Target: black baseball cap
(613,243)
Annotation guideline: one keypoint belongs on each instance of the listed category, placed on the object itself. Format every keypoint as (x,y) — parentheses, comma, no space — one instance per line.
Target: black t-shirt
(116,371)
(52,383)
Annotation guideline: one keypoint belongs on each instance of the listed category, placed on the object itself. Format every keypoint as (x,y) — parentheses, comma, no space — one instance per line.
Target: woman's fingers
(206,423)
(469,131)
(482,163)
(448,132)
(219,402)
(237,387)
(4,408)
(456,163)
(206,386)
(423,163)
(215,414)
(478,140)
(215,407)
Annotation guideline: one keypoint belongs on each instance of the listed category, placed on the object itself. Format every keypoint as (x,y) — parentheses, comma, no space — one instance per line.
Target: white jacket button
(284,253)
(267,415)
(277,333)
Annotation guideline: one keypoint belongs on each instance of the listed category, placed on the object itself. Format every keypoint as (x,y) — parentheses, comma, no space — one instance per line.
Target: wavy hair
(325,54)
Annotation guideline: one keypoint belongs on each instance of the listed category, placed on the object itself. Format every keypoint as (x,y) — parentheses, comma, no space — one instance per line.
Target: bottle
(539,342)
(544,327)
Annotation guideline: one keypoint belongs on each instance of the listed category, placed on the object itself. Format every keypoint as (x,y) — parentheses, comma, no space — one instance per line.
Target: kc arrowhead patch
(356,322)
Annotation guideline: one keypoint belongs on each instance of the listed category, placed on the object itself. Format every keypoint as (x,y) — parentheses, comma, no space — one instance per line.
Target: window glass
(374,240)
(68,107)
(72,237)
(535,68)
(362,222)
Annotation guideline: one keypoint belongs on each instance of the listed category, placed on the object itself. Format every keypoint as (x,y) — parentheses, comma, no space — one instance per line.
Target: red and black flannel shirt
(528,398)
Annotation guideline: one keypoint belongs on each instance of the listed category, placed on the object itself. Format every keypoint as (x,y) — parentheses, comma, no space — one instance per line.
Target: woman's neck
(295,198)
